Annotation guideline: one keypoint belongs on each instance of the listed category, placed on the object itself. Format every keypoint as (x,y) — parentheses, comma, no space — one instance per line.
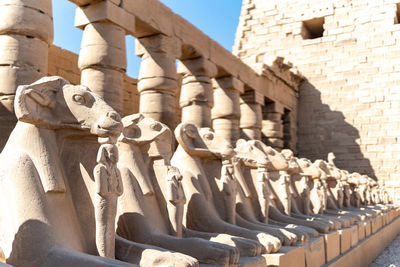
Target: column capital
(158,43)
(229,82)
(107,10)
(197,67)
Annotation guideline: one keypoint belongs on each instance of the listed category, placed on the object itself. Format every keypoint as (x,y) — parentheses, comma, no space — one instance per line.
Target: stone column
(102,60)
(158,83)
(226,111)
(251,115)
(196,98)
(272,125)
(26,31)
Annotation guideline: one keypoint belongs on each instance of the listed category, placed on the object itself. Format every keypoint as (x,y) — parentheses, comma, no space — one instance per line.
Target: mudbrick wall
(349,54)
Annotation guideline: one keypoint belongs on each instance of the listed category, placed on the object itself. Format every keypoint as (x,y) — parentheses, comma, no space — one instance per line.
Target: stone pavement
(390,256)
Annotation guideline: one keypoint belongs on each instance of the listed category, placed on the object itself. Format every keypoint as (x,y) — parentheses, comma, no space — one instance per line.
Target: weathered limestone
(141,218)
(251,115)
(102,60)
(196,99)
(197,145)
(272,124)
(158,83)
(26,31)
(108,188)
(226,111)
(33,184)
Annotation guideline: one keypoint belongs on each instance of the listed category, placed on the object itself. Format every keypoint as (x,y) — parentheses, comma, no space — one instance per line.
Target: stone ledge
(367,250)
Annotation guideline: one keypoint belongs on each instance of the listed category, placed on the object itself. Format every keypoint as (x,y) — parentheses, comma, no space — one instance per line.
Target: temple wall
(350,100)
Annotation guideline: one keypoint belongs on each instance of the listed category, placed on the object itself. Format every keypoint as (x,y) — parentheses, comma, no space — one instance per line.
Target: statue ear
(34,103)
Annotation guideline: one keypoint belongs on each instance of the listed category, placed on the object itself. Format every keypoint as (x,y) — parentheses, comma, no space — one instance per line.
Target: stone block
(287,256)
(345,239)
(361,230)
(105,11)
(26,21)
(375,224)
(354,235)
(332,245)
(24,51)
(315,252)
(368,229)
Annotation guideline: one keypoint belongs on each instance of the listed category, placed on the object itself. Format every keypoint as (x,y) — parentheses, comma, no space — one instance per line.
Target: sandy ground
(390,256)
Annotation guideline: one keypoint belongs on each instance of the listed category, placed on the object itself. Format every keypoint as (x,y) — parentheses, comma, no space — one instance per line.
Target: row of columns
(222,103)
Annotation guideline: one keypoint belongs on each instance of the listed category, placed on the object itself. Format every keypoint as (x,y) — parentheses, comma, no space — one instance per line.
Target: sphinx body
(141,218)
(200,148)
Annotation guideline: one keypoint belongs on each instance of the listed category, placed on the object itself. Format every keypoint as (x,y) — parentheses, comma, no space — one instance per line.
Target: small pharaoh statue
(284,185)
(263,192)
(227,185)
(108,187)
(176,199)
(305,193)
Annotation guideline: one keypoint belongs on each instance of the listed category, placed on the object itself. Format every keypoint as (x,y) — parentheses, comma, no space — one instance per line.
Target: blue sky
(216,18)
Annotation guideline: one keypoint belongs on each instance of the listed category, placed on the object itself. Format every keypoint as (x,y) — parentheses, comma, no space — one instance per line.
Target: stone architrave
(158,83)
(26,29)
(226,111)
(102,60)
(196,99)
(251,115)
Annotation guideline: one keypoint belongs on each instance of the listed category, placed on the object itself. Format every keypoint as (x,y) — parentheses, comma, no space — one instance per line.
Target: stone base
(361,230)
(315,252)
(259,261)
(366,251)
(354,235)
(368,228)
(332,245)
(345,239)
(287,256)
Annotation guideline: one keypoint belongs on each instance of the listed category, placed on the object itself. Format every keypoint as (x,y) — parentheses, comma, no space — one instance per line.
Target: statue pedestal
(287,256)
(345,239)
(244,262)
(332,245)
(361,230)
(315,251)
(354,235)
(367,225)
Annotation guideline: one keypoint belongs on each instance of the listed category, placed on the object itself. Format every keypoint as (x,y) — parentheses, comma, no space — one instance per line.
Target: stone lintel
(104,11)
(197,67)
(158,43)
(229,82)
(252,96)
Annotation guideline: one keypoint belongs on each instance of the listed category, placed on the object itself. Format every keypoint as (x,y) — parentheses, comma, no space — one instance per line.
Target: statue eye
(156,126)
(208,136)
(80,99)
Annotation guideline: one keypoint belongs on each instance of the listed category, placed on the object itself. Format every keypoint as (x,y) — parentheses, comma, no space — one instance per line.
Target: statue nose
(114,116)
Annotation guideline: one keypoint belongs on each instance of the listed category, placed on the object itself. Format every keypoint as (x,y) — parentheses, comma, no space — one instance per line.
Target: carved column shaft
(26,32)
(251,115)
(272,125)
(158,83)
(226,110)
(102,60)
(196,98)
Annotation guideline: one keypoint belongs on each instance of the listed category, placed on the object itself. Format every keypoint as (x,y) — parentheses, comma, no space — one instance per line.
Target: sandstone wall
(350,102)
(65,64)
